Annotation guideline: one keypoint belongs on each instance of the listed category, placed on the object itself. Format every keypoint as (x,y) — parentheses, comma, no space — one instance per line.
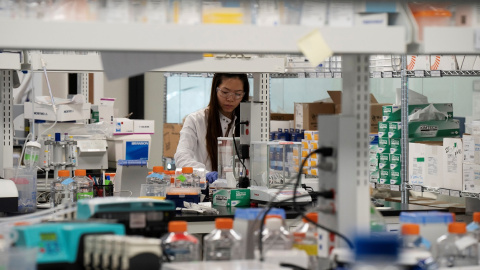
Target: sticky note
(314,47)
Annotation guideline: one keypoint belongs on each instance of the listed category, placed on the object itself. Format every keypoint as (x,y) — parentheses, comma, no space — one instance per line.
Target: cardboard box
(385,174)
(433,171)
(443,62)
(384,161)
(394,113)
(65,112)
(106,110)
(306,114)
(281,116)
(311,135)
(143,126)
(469,148)
(394,130)
(384,142)
(373,164)
(453,163)
(416,159)
(375,108)
(471,177)
(418,62)
(375,176)
(382,130)
(232,197)
(122,126)
(396,159)
(422,129)
(384,150)
(395,167)
(395,145)
(171,137)
(371,19)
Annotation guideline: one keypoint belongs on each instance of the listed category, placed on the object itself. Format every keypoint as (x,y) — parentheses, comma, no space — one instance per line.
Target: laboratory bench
(202,223)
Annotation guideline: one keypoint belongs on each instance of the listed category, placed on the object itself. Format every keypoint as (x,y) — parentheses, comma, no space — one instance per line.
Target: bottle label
(465,242)
(67,181)
(472,227)
(84,195)
(31,157)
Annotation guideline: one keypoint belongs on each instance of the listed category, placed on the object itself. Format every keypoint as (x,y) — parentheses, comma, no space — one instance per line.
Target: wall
(154,110)
(117,89)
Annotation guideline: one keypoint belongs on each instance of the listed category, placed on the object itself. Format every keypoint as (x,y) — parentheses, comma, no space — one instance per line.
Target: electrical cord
(324,152)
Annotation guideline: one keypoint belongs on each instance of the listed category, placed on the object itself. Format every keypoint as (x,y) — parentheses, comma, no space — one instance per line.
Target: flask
(179,245)
(275,236)
(223,243)
(306,238)
(84,185)
(457,247)
(63,189)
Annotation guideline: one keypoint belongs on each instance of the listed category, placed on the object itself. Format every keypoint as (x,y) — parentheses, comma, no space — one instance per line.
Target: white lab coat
(192,147)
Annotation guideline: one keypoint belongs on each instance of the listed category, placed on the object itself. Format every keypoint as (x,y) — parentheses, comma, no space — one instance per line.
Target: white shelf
(99,36)
(213,64)
(66,62)
(10,61)
(449,40)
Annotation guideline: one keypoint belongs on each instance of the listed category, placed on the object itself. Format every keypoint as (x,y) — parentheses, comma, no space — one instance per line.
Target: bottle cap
(187,170)
(312,216)
(273,216)
(410,229)
(273,223)
(63,173)
(224,223)
(158,169)
(169,172)
(34,144)
(457,227)
(80,173)
(150,173)
(177,226)
(476,217)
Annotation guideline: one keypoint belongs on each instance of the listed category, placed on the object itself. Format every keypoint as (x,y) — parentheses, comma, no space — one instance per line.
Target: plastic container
(376,253)
(474,226)
(179,245)
(457,248)
(157,177)
(32,151)
(223,243)
(63,189)
(275,236)
(26,182)
(186,178)
(19,258)
(84,185)
(306,238)
(432,224)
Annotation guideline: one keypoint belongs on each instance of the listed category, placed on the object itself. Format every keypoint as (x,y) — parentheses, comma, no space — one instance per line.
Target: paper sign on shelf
(314,47)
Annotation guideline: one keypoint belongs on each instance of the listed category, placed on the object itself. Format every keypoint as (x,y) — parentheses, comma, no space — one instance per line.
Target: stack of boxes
(373,162)
(390,135)
(471,162)
(309,144)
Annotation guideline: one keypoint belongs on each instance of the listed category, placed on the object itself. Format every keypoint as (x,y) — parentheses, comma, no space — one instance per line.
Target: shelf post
(6,102)
(404,140)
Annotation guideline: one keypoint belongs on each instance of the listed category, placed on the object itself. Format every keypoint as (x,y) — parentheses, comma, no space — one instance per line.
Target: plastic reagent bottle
(179,245)
(186,178)
(411,238)
(63,189)
(32,151)
(275,236)
(306,238)
(157,177)
(457,248)
(474,226)
(84,185)
(223,243)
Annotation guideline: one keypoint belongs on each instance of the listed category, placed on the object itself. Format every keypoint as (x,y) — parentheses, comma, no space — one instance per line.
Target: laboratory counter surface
(389,209)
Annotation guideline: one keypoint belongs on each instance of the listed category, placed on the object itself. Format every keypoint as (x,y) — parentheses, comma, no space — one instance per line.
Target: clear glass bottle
(32,151)
(275,236)
(157,177)
(457,248)
(306,238)
(179,245)
(84,185)
(223,243)
(63,189)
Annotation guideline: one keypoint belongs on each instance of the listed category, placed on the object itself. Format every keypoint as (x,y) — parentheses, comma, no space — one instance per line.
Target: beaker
(26,182)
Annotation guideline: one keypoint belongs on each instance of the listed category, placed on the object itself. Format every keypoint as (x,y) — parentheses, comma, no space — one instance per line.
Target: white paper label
(435,73)
(395,187)
(377,74)
(417,188)
(312,75)
(298,116)
(184,74)
(314,13)
(320,75)
(419,73)
(388,74)
(432,166)
(445,192)
(301,75)
(337,75)
(455,193)
(451,163)
(204,75)
(328,75)
(372,185)
(468,148)
(138,220)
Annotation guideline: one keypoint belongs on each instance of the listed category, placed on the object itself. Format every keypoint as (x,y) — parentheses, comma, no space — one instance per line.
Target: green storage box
(232,197)
(393,112)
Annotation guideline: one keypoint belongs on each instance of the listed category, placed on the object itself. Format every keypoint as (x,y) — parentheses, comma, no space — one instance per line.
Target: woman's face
(229,95)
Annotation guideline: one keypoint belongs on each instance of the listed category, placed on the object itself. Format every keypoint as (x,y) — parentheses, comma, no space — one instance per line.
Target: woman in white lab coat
(198,138)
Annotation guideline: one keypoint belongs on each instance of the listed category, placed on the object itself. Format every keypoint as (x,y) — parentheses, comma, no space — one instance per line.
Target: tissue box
(393,112)
(382,130)
(395,145)
(232,197)
(384,161)
(426,129)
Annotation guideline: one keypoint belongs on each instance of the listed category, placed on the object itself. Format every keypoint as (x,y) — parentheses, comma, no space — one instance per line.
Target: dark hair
(214,129)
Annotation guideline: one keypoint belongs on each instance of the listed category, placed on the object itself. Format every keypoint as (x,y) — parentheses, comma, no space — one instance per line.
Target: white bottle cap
(273,223)
(33,144)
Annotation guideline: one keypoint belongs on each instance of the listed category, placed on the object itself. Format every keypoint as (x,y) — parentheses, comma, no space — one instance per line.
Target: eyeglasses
(226,94)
